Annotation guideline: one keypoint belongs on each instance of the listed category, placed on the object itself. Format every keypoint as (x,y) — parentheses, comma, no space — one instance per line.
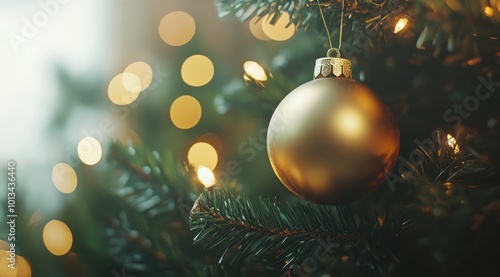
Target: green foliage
(439,28)
(414,222)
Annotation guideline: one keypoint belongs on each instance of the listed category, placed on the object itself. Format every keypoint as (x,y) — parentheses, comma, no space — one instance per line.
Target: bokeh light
(197,70)
(177,28)
(206,176)
(143,71)
(278,31)
(4,245)
(57,237)
(488,11)
(124,88)
(203,154)
(89,150)
(185,112)
(22,267)
(255,71)
(255,26)
(64,178)
(5,270)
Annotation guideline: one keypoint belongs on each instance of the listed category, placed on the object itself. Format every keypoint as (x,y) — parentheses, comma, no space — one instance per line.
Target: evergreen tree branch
(257,228)
(153,199)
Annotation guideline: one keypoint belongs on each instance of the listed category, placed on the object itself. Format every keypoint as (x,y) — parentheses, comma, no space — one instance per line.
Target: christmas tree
(194,180)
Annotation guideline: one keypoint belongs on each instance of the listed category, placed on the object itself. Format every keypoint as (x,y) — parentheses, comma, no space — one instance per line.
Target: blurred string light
(57,237)
(64,178)
(197,70)
(255,26)
(452,142)
(206,176)
(281,30)
(89,150)
(185,112)
(177,28)
(253,70)
(488,11)
(203,154)
(401,23)
(22,267)
(143,71)
(125,87)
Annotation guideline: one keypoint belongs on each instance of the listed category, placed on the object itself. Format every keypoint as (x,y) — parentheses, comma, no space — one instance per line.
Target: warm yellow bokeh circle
(89,150)
(197,70)
(57,237)
(177,28)
(279,31)
(203,154)
(185,112)
(64,177)
(143,71)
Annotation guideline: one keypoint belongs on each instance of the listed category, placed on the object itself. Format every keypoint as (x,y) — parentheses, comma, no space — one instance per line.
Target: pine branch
(153,199)
(446,169)
(148,183)
(257,228)
(459,30)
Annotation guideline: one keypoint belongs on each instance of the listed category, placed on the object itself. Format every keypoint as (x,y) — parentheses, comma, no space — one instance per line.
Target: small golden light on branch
(206,176)
(254,71)
(488,11)
(452,142)
(401,24)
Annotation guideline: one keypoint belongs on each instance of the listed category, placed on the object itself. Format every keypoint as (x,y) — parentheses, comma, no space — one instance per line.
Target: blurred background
(172,76)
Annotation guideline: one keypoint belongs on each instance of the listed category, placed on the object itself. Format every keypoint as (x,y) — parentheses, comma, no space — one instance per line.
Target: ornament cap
(331,67)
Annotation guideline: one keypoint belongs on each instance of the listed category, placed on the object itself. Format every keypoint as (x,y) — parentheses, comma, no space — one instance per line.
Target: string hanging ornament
(332,140)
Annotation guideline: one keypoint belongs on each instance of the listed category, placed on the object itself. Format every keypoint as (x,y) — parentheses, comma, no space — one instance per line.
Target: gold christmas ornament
(332,140)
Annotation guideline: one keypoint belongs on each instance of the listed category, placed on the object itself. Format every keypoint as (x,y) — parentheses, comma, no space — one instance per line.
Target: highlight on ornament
(349,122)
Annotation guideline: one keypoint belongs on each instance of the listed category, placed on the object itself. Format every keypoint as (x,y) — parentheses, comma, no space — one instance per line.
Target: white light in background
(38,37)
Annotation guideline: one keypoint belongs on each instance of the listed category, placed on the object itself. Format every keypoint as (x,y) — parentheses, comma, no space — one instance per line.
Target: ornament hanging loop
(331,50)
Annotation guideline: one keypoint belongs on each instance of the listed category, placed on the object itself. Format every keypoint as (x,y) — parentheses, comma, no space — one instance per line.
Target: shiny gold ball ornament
(332,140)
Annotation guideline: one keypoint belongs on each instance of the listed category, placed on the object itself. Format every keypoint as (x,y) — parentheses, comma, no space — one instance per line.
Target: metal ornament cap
(332,67)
